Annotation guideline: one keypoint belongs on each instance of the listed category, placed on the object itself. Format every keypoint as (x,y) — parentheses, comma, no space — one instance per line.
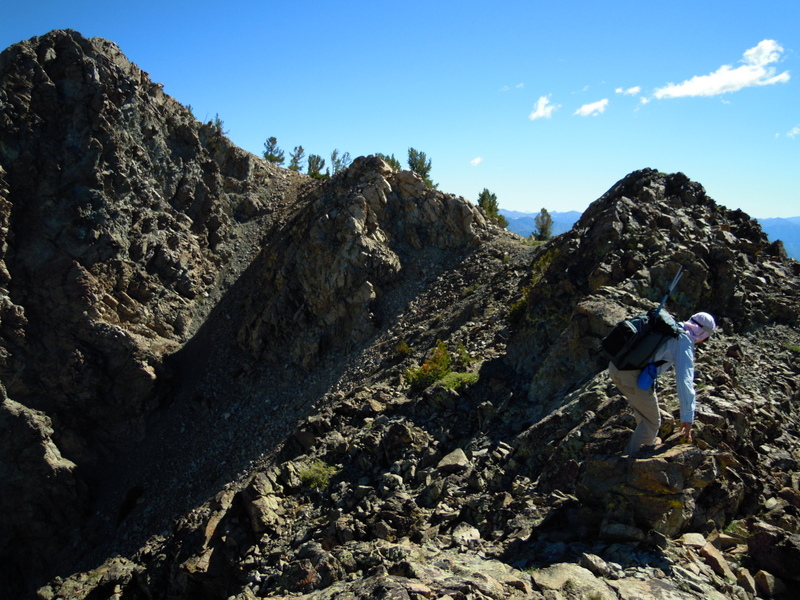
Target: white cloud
(506,88)
(595,108)
(543,109)
(794,132)
(631,91)
(755,71)
(476,161)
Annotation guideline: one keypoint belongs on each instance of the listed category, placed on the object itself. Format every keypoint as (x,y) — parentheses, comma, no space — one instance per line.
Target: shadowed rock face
(123,221)
(171,306)
(115,221)
(120,216)
(43,502)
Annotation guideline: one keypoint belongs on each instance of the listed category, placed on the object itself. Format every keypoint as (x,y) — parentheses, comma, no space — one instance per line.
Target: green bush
(317,475)
(453,381)
(463,358)
(432,370)
(403,350)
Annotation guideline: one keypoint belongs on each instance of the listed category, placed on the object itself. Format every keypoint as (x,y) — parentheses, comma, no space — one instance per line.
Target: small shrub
(219,125)
(453,381)
(518,311)
(467,291)
(432,370)
(463,358)
(403,350)
(738,529)
(540,265)
(317,475)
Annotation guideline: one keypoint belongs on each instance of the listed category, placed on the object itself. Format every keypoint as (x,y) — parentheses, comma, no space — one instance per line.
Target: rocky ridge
(123,222)
(498,490)
(256,297)
(128,231)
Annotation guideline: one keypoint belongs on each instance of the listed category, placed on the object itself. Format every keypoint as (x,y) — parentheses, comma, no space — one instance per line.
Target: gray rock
(455,462)
(570,580)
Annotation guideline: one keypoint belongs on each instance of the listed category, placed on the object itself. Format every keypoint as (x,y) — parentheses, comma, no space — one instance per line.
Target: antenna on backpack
(671,287)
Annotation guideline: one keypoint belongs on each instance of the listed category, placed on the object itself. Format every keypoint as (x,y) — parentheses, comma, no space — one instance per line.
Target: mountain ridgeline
(785,230)
(207,365)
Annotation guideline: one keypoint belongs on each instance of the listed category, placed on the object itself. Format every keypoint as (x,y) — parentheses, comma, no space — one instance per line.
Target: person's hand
(685,431)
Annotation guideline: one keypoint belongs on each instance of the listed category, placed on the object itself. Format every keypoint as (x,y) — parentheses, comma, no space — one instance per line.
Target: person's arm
(684,378)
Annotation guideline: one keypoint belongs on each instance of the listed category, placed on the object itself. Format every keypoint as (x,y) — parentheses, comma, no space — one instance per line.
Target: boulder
(454,462)
(572,580)
(651,492)
(774,550)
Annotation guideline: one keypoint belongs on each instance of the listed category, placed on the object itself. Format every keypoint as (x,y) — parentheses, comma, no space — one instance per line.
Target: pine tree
(544,226)
(487,201)
(220,125)
(421,165)
(296,158)
(272,153)
(339,163)
(315,165)
(391,161)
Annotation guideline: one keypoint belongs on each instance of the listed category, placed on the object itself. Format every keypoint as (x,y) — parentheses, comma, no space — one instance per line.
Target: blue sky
(544,104)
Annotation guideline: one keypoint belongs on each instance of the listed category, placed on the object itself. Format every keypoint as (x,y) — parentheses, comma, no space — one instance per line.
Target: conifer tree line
(418,162)
(297,160)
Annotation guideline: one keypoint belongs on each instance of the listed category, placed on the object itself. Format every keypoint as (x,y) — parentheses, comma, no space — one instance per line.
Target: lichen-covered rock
(655,492)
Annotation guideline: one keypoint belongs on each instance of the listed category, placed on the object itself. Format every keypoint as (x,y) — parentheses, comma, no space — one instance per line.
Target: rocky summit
(224,379)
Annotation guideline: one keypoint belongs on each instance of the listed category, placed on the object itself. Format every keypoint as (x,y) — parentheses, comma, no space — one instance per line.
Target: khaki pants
(645,408)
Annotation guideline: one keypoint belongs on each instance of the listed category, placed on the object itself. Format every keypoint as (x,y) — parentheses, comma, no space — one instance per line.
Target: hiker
(678,351)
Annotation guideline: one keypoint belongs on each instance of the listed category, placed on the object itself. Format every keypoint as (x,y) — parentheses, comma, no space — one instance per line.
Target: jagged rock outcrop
(132,236)
(121,214)
(621,256)
(325,279)
(122,221)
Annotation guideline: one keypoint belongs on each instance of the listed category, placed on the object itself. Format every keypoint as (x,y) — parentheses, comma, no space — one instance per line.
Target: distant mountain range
(786,230)
(524,223)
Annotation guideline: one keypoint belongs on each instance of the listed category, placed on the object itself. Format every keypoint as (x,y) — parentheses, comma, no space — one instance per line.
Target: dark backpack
(633,342)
